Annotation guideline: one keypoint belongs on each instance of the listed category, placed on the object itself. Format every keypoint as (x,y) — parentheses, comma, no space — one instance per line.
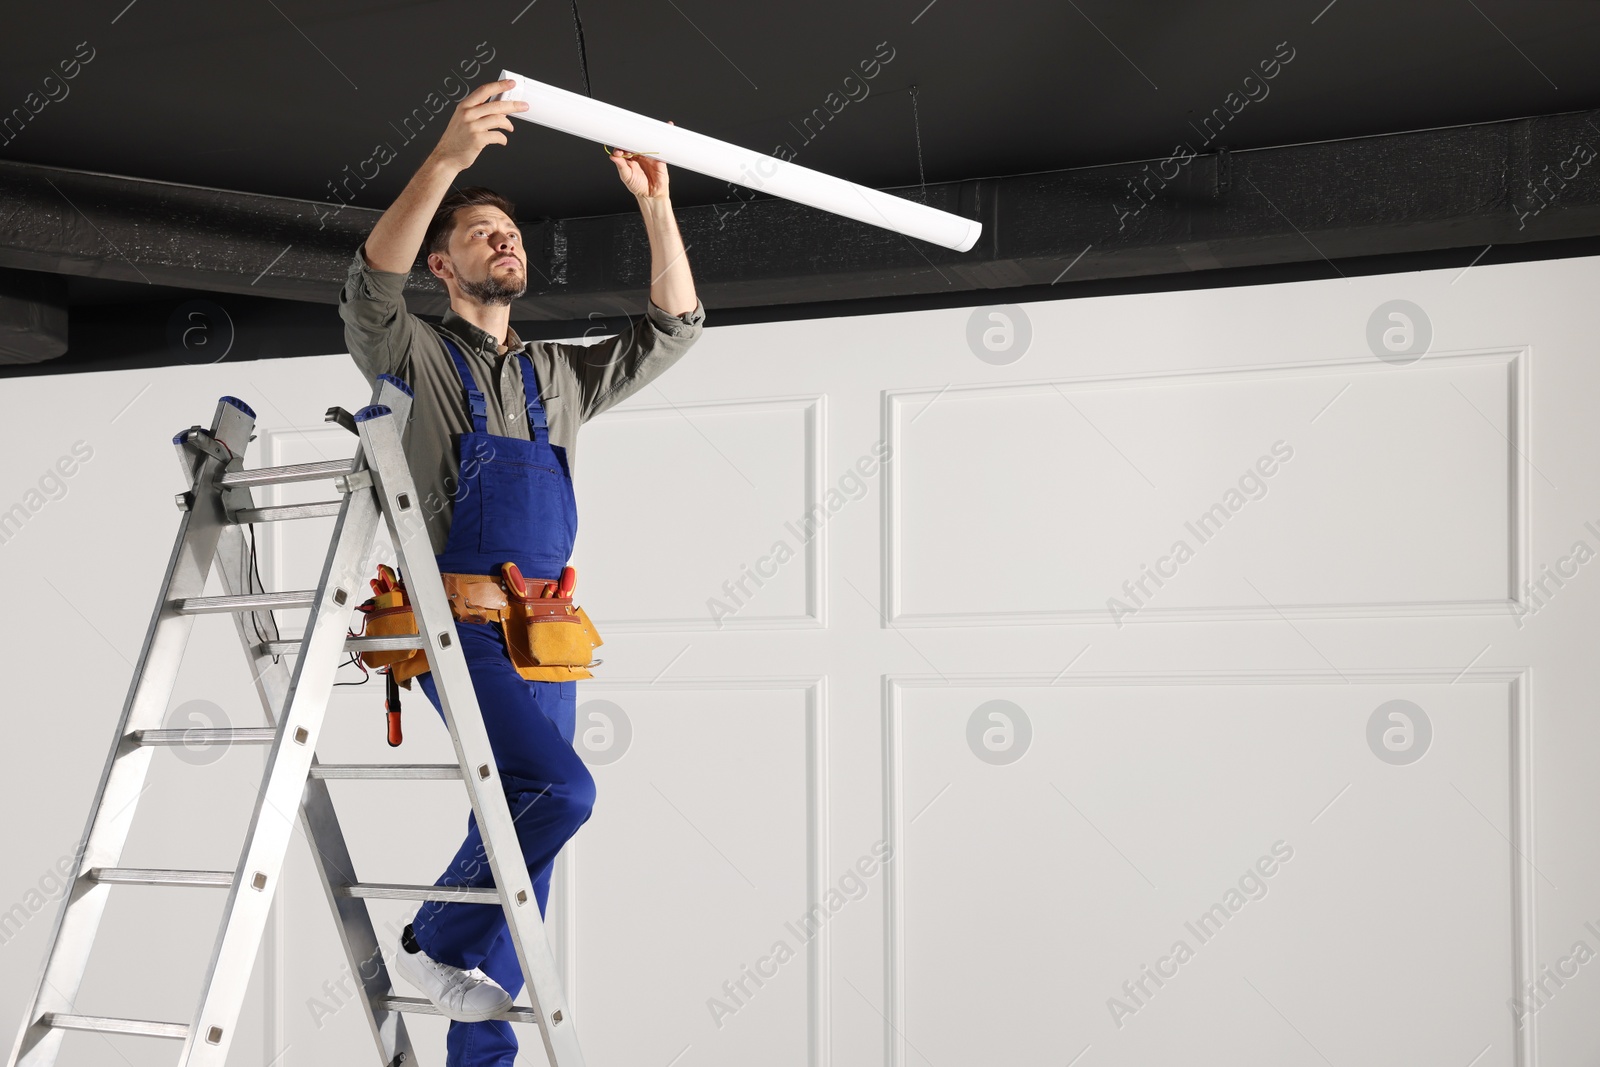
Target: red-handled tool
(391,707)
(514,580)
(569,578)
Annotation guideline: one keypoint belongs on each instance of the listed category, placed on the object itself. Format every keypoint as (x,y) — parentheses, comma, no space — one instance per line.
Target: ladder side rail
(329,851)
(380,435)
(261,860)
(122,779)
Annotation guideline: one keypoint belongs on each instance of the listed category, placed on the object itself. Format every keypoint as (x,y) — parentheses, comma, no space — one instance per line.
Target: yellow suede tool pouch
(548,639)
(391,616)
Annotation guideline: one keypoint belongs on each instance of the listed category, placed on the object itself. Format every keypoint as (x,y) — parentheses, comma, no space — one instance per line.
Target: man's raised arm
(377,326)
(616,368)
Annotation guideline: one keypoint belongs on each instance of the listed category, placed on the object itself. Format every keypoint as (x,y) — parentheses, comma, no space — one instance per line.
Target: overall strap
(475,401)
(530,392)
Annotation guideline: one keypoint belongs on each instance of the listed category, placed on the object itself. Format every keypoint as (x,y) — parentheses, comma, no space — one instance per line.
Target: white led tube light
(674,145)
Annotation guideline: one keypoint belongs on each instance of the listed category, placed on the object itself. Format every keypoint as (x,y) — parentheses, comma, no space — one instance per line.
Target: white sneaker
(465,996)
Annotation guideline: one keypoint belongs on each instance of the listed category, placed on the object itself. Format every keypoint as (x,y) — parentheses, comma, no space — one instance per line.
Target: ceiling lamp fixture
(678,147)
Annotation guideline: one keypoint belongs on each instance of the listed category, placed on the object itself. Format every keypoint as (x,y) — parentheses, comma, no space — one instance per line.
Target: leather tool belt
(548,638)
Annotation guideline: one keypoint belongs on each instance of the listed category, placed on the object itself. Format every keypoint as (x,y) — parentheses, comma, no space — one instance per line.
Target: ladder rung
(199,605)
(415,771)
(281,512)
(208,735)
(419,1006)
(154,876)
(295,472)
(393,891)
(396,643)
(105,1024)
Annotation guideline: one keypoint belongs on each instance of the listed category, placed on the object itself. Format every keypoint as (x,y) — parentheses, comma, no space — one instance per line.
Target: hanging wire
(916,123)
(583,55)
(253,577)
(354,658)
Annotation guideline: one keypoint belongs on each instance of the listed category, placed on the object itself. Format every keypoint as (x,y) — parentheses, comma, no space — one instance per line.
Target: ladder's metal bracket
(343,418)
(353,482)
(236,500)
(199,439)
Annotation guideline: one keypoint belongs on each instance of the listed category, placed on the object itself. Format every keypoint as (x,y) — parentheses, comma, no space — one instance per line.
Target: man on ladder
(490,445)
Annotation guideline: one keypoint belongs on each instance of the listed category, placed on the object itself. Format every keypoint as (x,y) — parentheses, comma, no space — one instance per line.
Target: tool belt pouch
(548,632)
(390,622)
(404,664)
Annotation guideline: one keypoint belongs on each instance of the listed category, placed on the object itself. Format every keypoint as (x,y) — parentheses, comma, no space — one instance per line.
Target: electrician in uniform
(491,445)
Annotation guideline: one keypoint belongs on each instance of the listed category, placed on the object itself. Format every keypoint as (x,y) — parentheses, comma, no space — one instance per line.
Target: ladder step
(105,1024)
(420,1006)
(413,771)
(393,891)
(279,513)
(154,876)
(351,644)
(200,605)
(210,735)
(295,472)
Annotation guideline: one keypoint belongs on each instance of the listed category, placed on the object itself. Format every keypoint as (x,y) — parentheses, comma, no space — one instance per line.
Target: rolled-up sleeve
(377,327)
(612,370)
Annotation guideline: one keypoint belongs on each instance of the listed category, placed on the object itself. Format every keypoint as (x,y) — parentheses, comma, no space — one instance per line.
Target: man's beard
(491,291)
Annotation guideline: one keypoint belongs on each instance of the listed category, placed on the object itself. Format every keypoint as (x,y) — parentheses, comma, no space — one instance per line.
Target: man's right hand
(476,122)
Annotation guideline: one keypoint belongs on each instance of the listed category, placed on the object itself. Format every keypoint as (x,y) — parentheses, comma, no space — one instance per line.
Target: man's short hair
(443,224)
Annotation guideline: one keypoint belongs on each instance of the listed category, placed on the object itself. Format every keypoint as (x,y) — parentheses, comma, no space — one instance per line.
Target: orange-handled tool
(391,707)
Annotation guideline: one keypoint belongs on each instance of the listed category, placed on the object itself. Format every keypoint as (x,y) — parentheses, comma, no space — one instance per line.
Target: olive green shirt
(576,382)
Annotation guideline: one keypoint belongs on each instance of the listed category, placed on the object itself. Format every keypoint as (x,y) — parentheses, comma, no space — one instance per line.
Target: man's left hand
(646,178)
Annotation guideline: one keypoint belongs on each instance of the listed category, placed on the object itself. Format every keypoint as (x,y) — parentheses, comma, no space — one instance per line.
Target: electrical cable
(253,580)
(916,124)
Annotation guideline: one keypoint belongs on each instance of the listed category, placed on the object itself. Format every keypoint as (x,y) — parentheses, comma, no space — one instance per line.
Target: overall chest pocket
(528,511)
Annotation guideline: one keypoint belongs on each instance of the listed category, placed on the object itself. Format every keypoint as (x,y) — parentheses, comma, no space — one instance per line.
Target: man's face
(486,257)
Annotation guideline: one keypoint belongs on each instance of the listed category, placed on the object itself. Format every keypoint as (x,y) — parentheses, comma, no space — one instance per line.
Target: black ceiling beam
(1527,180)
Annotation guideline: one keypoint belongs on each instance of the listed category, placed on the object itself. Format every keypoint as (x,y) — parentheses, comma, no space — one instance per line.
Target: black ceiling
(279,97)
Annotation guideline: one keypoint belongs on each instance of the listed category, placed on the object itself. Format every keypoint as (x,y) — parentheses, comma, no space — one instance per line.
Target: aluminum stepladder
(216,509)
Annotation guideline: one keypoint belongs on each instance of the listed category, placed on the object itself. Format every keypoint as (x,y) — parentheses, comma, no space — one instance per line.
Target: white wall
(770,753)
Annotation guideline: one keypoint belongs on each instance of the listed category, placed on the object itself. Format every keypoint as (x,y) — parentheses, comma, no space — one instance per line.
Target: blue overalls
(513,501)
